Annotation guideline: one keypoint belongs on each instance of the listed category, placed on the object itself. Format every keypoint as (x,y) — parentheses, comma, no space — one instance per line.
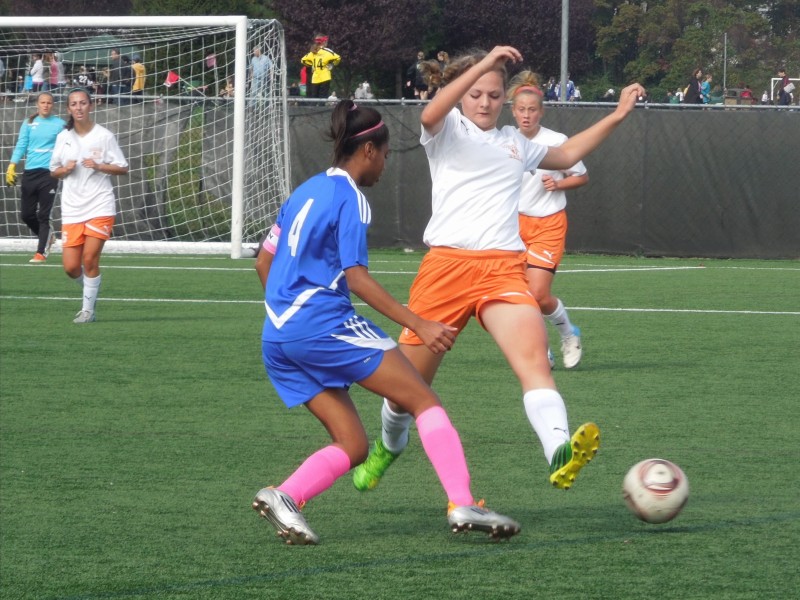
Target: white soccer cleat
(84,316)
(279,509)
(571,350)
(477,518)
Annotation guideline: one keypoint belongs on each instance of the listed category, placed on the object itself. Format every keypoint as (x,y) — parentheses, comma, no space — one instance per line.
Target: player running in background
(315,346)
(86,156)
(543,215)
(321,59)
(37,138)
(475,266)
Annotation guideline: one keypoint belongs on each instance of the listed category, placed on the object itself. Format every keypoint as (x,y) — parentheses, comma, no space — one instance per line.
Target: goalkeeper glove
(11,175)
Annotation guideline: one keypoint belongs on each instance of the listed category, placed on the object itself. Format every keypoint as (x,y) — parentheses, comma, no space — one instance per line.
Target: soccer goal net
(205,132)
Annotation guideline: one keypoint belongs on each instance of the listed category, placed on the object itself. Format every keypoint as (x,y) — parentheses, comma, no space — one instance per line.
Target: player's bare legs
(540,282)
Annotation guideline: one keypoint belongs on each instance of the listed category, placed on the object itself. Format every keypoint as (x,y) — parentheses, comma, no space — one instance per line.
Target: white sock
(548,416)
(560,320)
(394,428)
(91,288)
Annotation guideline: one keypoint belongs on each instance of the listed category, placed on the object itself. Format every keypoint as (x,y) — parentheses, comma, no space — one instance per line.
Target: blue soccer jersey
(323,232)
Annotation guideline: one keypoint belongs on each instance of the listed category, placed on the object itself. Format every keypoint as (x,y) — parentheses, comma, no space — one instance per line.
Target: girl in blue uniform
(315,345)
(37,138)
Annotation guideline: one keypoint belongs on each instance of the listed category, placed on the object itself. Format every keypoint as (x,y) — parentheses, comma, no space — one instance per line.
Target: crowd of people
(123,79)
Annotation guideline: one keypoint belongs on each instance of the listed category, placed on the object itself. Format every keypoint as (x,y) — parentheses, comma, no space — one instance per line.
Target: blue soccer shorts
(301,369)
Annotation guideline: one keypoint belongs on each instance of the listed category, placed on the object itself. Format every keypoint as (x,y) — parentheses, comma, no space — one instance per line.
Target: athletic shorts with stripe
(453,285)
(75,234)
(545,239)
(301,369)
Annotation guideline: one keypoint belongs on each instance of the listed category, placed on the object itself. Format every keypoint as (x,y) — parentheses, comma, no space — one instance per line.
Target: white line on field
(374,272)
(583,308)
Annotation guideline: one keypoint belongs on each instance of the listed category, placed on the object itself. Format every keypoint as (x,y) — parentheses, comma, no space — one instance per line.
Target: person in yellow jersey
(139,77)
(321,59)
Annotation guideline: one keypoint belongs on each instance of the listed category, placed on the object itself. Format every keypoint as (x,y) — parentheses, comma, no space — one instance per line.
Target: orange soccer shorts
(544,239)
(75,234)
(453,285)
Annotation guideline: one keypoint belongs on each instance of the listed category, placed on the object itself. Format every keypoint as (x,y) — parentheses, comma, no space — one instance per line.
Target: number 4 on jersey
(294,232)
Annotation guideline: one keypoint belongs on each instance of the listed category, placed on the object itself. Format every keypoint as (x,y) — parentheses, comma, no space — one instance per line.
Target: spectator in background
(37,74)
(608,96)
(692,94)
(705,88)
(364,92)
(58,74)
(785,88)
(570,89)
(765,97)
(321,59)
(550,90)
(84,78)
(672,98)
(139,78)
(260,74)
(118,77)
(416,77)
(679,95)
(746,95)
(228,91)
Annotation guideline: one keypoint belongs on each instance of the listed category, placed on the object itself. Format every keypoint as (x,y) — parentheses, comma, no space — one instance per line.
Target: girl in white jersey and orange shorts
(475,265)
(542,212)
(85,157)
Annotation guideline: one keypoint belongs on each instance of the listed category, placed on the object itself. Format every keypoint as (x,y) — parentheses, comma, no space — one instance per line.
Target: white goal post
(208,168)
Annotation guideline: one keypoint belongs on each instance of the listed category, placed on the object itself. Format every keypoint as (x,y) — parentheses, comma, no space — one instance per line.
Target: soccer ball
(655,490)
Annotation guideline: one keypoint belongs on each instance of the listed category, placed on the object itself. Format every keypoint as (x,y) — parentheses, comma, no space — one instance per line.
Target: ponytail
(352,126)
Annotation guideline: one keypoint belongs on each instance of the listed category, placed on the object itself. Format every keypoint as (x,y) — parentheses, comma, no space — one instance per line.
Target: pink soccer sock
(316,474)
(443,447)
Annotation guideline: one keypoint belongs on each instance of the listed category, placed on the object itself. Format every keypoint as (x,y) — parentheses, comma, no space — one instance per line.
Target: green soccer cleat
(368,474)
(570,457)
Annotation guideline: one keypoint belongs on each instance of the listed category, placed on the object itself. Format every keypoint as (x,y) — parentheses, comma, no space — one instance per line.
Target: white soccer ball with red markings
(655,490)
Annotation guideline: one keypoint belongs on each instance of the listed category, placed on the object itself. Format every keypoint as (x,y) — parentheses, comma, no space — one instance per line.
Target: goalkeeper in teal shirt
(37,138)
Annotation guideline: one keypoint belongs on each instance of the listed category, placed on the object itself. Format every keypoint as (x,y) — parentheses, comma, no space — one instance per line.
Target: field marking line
(374,272)
(362,304)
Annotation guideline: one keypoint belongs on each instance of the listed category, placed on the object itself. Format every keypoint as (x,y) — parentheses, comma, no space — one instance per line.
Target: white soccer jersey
(86,193)
(477,177)
(535,201)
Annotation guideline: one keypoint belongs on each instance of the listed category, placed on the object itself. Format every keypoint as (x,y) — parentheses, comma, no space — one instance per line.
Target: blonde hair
(460,65)
(525,82)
